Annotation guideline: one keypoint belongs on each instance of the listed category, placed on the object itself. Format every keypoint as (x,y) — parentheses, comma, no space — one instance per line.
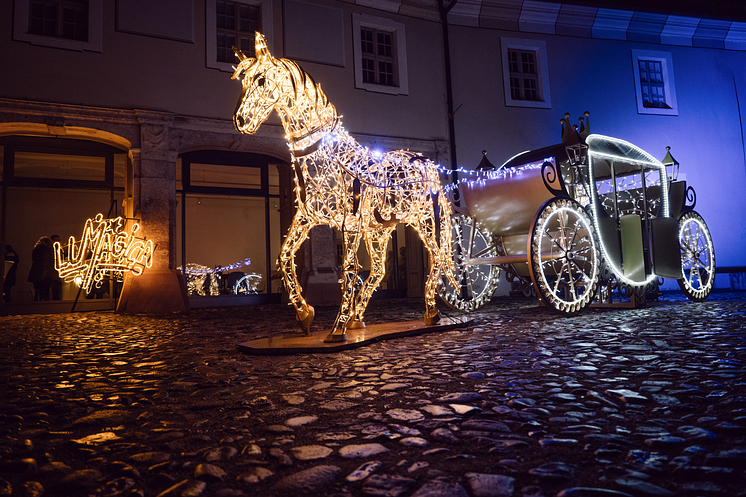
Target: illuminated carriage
(591,219)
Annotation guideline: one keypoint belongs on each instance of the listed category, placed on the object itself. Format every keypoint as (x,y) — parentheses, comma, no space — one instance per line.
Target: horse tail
(443,234)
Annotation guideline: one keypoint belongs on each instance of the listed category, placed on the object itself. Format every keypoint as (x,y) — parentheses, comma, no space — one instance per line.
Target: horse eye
(260,82)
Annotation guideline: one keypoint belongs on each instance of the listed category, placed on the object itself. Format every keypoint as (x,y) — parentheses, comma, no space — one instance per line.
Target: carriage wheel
(245,285)
(477,283)
(564,256)
(697,257)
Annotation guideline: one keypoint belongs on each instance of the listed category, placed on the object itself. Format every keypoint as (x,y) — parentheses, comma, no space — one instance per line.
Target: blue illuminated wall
(596,75)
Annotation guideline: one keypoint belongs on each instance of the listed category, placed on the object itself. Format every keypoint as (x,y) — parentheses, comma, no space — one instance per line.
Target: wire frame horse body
(340,183)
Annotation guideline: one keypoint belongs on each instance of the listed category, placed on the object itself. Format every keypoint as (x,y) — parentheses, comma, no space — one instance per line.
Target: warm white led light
(342,184)
(105,249)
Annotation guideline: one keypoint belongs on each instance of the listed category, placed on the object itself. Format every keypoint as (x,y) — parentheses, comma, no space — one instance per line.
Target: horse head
(262,81)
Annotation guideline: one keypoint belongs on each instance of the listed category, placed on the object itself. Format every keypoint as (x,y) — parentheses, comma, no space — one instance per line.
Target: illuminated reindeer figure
(342,184)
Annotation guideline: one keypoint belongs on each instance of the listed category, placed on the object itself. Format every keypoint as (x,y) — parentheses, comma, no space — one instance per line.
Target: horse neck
(307,115)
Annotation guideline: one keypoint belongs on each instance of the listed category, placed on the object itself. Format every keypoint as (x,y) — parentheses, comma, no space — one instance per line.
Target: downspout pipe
(444,9)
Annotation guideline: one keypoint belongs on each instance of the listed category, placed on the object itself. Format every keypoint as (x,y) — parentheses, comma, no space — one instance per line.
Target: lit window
(380,55)
(232,24)
(68,24)
(654,82)
(525,74)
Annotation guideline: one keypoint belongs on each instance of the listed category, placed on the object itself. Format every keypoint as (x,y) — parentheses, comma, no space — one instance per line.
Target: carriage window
(380,55)
(68,24)
(232,24)
(525,74)
(654,84)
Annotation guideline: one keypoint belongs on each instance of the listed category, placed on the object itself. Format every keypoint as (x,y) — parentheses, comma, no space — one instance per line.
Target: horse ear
(241,56)
(260,47)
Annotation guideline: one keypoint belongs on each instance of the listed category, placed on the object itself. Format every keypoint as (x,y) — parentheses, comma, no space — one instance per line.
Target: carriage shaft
(507,259)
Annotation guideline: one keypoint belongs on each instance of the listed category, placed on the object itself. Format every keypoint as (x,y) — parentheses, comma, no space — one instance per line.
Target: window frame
(542,73)
(21,16)
(211,31)
(58,146)
(669,85)
(401,80)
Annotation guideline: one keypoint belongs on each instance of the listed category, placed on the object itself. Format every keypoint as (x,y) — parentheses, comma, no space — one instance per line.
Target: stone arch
(74,132)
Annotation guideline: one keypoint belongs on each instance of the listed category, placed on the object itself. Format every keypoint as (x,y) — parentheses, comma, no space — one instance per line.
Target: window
(654,83)
(525,74)
(228,222)
(68,24)
(377,48)
(380,55)
(236,24)
(232,24)
(66,19)
(62,163)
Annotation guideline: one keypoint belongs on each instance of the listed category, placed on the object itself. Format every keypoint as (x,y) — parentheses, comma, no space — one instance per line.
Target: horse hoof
(355,325)
(305,317)
(432,316)
(332,338)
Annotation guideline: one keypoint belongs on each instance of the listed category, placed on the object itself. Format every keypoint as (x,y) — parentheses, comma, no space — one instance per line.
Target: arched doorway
(50,186)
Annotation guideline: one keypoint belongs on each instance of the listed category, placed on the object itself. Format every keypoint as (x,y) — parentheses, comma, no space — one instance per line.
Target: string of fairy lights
(342,184)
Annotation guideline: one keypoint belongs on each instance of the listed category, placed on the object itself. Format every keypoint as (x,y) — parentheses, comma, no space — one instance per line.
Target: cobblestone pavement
(519,403)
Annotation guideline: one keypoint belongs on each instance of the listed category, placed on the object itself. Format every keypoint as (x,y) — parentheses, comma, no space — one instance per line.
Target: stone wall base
(154,292)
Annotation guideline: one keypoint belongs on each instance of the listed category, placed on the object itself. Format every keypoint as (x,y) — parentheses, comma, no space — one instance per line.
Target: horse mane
(308,93)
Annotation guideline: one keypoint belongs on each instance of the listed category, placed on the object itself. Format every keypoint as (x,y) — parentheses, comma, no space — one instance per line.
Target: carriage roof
(627,158)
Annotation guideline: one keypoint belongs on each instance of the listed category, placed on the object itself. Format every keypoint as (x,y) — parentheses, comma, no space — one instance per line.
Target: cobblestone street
(521,402)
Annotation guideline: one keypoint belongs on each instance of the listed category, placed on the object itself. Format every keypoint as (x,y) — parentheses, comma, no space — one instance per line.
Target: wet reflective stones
(650,401)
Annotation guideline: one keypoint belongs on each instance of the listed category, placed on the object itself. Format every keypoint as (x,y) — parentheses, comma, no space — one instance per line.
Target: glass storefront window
(59,166)
(219,176)
(120,170)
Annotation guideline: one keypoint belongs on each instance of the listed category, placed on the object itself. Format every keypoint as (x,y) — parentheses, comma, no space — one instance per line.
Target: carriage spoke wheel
(477,283)
(697,257)
(563,256)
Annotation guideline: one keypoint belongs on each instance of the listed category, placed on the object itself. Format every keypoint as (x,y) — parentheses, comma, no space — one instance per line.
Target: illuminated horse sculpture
(340,183)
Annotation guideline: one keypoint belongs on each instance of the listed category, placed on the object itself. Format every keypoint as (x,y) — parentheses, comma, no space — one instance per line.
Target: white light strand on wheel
(590,281)
(686,235)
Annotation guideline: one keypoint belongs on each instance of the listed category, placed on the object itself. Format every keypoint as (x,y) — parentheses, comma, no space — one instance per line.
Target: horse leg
(432,314)
(376,244)
(297,234)
(349,269)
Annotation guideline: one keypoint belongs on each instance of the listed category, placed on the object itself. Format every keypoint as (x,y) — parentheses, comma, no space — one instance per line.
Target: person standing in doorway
(10,276)
(42,267)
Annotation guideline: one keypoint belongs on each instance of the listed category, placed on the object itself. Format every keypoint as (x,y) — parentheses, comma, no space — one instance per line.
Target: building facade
(123,108)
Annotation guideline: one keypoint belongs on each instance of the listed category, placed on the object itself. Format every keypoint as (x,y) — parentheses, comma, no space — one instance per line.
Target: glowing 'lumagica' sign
(106,248)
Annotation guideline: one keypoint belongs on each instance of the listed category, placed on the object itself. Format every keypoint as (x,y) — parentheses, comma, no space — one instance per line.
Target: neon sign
(106,248)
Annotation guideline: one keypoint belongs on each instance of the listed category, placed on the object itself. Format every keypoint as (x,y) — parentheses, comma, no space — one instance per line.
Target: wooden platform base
(314,344)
